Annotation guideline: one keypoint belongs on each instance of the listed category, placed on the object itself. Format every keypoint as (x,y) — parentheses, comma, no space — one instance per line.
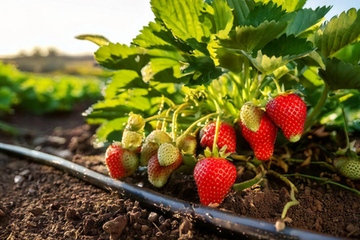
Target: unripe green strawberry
(159,175)
(263,140)
(214,177)
(226,136)
(131,140)
(168,154)
(158,136)
(120,162)
(288,112)
(147,150)
(135,122)
(348,167)
(187,144)
(250,116)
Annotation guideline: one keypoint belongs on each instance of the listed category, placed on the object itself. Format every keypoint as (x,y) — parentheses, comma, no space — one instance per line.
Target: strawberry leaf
(152,35)
(289,6)
(241,9)
(97,39)
(182,18)
(305,21)
(341,75)
(350,53)
(223,17)
(279,52)
(261,13)
(339,32)
(249,38)
(120,56)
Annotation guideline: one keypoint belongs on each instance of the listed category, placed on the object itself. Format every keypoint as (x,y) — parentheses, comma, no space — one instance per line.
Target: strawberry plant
(273,70)
(42,94)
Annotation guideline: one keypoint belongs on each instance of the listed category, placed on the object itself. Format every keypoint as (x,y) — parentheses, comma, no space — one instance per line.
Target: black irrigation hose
(218,220)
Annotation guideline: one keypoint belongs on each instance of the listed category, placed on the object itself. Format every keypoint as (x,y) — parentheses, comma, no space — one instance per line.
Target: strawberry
(131,140)
(147,150)
(135,122)
(214,177)
(157,174)
(348,167)
(250,115)
(288,112)
(151,145)
(261,141)
(187,144)
(168,154)
(158,136)
(120,162)
(226,137)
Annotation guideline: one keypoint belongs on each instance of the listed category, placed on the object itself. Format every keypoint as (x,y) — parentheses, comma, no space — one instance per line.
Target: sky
(25,24)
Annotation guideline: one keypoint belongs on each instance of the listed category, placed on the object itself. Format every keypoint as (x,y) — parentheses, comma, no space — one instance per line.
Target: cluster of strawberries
(214,174)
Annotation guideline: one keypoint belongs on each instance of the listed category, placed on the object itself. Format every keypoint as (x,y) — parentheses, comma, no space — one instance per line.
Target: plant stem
(293,202)
(188,130)
(324,180)
(174,120)
(346,128)
(293,190)
(249,183)
(317,109)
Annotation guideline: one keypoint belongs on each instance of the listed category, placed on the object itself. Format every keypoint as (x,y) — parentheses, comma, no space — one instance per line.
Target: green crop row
(43,94)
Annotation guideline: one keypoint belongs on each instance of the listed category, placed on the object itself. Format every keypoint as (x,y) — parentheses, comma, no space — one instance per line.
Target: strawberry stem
(317,109)
(249,183)
(215,149)
(278,88)
(293,190)
(174,120)
(194,124)
(293,202)
(324,180)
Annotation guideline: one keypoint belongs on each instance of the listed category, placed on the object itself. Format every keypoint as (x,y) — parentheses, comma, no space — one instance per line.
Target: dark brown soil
(40,202)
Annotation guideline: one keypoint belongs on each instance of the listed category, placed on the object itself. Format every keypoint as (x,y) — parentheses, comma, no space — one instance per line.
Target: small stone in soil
(116,226)
(153,216)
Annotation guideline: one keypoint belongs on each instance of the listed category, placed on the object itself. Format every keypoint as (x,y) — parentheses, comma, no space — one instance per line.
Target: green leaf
(182,18)
(289,6)
(97,39)
(122,80)
(251,39)
(279,52)
(150,36)
(288,46)
(223,17)
(264,12)
(120,56)
(339,32)
(306,20)
(111,130)
(341,75)
(350,53)
(241,8)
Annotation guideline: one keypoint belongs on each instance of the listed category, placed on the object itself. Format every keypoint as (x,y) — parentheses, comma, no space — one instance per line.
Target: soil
(40,202)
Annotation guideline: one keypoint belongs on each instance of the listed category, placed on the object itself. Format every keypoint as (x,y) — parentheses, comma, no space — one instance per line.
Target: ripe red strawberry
(288,112)
(214,177)
(227,136)
(157,174)
(120,162)
(263,140)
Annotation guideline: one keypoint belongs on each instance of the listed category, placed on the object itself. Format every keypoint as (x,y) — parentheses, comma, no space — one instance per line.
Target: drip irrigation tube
(220,221)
